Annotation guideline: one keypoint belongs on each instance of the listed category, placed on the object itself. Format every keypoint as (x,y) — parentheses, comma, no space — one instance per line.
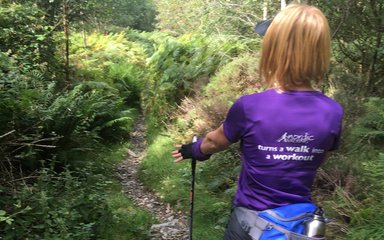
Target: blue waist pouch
(282,223)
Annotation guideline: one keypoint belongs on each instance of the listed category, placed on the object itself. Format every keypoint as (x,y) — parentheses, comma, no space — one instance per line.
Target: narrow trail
(172,225)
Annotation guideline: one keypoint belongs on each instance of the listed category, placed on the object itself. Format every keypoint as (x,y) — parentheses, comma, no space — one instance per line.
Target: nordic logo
(293,138)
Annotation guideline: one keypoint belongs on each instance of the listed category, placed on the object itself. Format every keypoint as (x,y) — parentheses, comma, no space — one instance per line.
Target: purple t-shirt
(284,138)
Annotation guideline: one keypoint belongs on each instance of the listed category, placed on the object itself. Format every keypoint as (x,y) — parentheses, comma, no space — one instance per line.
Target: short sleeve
(234,124)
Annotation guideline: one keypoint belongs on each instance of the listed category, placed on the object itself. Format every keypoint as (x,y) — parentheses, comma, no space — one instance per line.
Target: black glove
(186,151)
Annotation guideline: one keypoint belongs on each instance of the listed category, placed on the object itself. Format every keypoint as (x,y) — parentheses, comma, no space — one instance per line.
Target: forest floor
(172,224)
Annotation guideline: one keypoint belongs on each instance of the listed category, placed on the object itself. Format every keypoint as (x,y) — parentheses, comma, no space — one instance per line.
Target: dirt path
(172,225)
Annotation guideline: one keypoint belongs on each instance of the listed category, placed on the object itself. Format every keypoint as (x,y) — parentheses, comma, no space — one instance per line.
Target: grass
(127,221)
(171,182)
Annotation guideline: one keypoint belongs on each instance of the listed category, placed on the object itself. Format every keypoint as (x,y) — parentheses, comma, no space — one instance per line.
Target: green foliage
(102,15)
(358,33)
(57,206)
(154,171)
(238,77)
(232,17)
(113,72)
(374,173)
(40,126)
(370,127)
(90,114)
(172,181)
(174,66)
(24,97)
(136,14)
(364,139)
(207,110)
(111,59)
(180,67)
(129,222)
(74,204)
(43,123)
(26,36)
(177,62)
(359,171)
(368,219)
(369,135)
(70,204)
(130,80)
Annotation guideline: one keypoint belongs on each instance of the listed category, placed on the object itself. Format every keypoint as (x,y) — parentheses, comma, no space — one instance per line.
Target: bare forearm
(214,142)
(201,150)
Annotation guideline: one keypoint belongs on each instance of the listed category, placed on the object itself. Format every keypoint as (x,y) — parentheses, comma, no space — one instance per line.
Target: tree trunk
(283,4)
(265,9)
(84,33)
(66,33)
(374,61)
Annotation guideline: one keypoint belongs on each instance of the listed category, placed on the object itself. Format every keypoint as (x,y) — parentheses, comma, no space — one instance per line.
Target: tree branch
(345,15)
(8,133)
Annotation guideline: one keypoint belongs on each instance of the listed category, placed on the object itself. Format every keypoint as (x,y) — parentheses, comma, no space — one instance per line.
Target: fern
(374,173)
(370,127)
(368,136)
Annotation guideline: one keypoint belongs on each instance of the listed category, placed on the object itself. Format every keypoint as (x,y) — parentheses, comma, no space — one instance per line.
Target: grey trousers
(235,231)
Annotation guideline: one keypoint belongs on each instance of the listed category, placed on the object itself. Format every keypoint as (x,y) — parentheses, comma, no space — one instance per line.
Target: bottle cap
(319,211)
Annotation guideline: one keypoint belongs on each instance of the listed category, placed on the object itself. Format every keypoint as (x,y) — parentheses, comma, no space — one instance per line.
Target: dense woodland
(74,76)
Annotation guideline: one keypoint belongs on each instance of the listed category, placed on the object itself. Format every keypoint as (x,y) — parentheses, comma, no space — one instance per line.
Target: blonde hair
(296,48)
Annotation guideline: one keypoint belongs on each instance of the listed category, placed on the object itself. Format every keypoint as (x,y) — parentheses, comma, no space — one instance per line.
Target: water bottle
(316,226)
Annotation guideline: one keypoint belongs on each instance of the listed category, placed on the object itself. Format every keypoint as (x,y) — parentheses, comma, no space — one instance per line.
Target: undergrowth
(60,141)
(59,149)
(341,182)
(216,178)
(172,184)
(85,203)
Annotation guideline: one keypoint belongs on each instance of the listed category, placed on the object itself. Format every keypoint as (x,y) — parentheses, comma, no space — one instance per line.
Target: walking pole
(192,193)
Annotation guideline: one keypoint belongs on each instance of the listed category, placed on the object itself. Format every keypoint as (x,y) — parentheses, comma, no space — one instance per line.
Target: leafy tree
(26,36)
(233,17)
(98,14)
(358,30)
(136,14)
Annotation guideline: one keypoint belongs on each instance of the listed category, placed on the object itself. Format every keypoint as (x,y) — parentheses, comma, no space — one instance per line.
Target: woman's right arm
(215,141)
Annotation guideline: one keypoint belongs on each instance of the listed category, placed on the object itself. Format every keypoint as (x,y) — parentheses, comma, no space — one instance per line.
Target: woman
(285,131)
